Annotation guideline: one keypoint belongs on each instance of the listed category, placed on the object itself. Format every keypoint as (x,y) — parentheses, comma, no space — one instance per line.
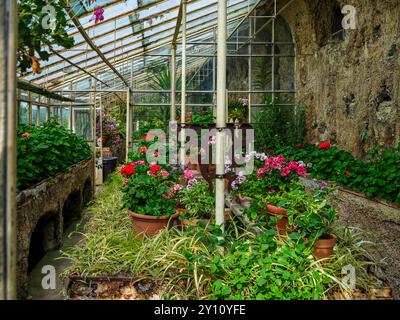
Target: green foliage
(377,177)
(198,200)
(238,110)
(278,125)
(145,192)
(49,149)
(33,38)
(202,116)
(190,265)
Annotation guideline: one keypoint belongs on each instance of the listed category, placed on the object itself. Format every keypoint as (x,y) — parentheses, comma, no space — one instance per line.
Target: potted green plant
(149,197)
(238,110)
(198,201)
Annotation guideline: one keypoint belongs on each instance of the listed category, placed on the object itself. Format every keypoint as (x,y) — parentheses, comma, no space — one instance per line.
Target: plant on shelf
(198,201)
(149,196)
(44,151)
(238,110)
(41,26)
(110,128)
(203,116)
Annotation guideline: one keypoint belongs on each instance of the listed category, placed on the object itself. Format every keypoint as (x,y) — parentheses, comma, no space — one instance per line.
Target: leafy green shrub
(379,176)
(278,125)
(44,151)
(198,200)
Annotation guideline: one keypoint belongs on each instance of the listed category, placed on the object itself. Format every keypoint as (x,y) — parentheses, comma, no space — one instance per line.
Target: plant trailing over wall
(377,177)
(45,151)
(42,25)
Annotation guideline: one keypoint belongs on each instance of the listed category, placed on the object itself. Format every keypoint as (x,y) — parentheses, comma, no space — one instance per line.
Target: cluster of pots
(323,247)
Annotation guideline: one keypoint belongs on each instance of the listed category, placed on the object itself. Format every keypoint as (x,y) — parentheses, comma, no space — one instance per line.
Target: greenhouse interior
(281,116)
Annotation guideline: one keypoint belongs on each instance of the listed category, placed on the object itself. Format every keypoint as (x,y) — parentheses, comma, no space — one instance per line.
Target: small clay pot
(150,225)
(323,247)
(245,202)
(282,223)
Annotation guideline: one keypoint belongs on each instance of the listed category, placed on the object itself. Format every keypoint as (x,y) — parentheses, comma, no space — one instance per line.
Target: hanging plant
(41,25)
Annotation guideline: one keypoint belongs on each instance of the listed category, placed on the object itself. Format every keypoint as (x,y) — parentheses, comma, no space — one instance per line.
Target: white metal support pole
(183,85)
(8,112)
(173,84)
(128,122)
(221,114)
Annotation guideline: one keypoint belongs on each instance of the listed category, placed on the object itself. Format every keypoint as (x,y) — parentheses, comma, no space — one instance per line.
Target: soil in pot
(323,247)
(150,224)
(281,223)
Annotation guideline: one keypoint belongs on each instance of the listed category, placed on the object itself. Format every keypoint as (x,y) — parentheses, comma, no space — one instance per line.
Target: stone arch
(72,208)
(45,236)
(87,191)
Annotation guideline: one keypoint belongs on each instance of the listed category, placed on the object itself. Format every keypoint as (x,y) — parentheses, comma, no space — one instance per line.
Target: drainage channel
(42,271)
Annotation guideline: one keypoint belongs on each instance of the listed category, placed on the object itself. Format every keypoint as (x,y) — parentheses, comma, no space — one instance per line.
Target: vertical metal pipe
(221,114)
(128,122)
(30,108)
(250,66)
(173,84)
(48,110)
(8,109)
(183,84)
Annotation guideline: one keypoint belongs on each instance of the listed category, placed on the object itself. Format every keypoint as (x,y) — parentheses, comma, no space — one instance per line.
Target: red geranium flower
(128,170)
(25,134)
(154,168)
(146,138)
(325,145)
(143,150)
(347,172)
(155,154)
(299,145)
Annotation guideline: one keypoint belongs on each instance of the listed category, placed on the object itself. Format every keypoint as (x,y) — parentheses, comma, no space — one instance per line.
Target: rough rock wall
(351,87)
(46,206)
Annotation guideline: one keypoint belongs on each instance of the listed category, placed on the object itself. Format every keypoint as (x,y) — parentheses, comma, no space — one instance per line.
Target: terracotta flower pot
(281,223)
(150,224)
(245,202)
(323,247)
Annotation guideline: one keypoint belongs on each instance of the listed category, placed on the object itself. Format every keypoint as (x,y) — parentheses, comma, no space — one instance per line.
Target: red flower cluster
(154,169)
(143,150)
(325,145)
(128,170)
(25,135)
(299,145)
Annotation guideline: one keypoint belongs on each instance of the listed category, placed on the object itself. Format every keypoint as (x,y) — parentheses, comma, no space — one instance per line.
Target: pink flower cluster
(172,191)
(190,178)
(279,163)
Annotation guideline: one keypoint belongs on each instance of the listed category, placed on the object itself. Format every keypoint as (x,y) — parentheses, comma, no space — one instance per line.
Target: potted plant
(238,110)
(312,217)
(198,201)
(149,197)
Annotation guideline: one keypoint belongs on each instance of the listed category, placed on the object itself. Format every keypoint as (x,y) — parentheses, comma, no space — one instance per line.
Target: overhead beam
(95,48)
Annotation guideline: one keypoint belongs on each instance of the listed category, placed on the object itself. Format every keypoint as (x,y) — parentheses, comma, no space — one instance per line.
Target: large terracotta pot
(281,223)
(323,247)
(245,202)
(150,224)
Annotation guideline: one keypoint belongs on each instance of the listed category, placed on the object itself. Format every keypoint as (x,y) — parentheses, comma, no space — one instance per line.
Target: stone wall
(351,87)
(44,211)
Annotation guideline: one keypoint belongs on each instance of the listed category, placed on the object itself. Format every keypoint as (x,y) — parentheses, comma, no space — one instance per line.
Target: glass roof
(130,30)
